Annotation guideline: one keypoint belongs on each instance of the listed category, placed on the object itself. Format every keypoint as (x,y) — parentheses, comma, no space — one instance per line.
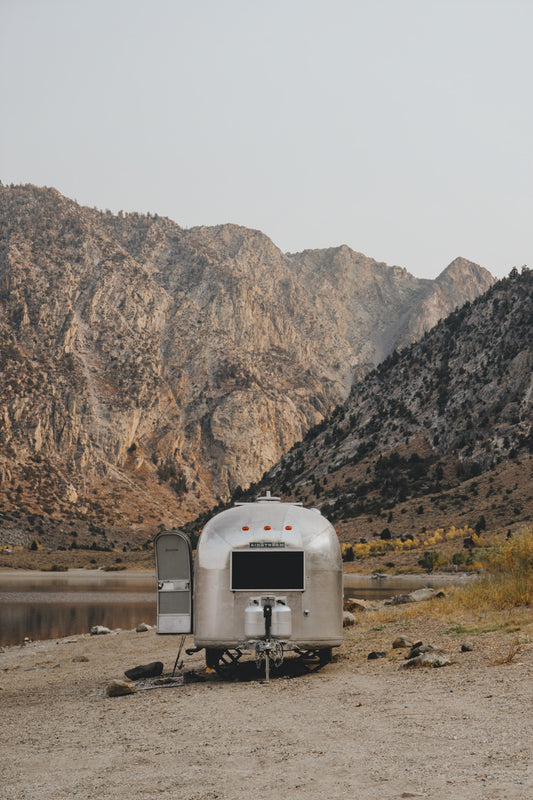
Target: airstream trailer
(267,578)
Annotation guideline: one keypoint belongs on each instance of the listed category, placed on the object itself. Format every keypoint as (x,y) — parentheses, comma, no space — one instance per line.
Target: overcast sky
(402,128)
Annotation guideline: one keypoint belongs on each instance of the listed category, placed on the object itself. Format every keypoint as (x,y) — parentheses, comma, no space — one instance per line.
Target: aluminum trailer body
(268,570)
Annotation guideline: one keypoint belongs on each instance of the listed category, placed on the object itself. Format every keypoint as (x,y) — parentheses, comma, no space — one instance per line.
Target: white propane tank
(254,620)
(281,620)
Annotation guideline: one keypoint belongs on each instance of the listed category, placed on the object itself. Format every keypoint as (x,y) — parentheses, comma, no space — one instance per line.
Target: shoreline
(350,579)
(356,580)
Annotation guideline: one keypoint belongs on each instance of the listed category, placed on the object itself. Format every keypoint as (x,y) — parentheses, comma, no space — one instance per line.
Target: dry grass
(496,636)
(515,648)
(509,579)
(513,555)
(487,613)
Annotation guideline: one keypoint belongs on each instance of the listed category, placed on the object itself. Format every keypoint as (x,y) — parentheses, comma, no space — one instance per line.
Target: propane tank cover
(254,621)
(281,621)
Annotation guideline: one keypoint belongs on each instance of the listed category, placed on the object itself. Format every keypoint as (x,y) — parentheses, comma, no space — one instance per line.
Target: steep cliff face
(147,370)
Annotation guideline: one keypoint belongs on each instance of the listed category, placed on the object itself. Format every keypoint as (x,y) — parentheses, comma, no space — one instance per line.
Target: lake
(381,586)
(50,605)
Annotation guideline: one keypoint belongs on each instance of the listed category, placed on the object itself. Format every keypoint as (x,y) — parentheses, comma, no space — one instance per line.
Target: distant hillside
(439,434)
(147,371)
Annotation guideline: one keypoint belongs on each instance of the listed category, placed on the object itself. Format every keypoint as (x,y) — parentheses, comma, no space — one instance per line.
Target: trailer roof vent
(266,497)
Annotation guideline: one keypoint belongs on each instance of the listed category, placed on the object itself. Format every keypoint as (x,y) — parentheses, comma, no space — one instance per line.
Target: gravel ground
(356,728)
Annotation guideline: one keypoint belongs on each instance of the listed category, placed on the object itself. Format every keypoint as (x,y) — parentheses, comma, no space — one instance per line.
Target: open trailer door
(173,559)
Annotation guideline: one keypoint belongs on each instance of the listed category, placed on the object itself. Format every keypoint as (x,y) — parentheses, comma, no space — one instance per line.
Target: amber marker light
(288,527)
(245,528)
(267,528)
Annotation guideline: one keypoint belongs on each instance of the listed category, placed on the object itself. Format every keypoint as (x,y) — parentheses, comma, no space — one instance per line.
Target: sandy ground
(357,728)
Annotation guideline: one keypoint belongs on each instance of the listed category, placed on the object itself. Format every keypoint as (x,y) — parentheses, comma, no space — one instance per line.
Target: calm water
(379,587)
(51,605)
(44,605)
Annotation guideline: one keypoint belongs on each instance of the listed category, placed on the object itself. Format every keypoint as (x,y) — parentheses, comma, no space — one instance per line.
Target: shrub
(348,554)
(481,524)
(515,555)
(509,582)
(429,561)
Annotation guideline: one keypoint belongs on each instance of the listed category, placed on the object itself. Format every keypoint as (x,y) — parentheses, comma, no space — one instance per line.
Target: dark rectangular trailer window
(265,571)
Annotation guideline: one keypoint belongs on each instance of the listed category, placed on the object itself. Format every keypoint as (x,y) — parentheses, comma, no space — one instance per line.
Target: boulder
(142,627)
(376,654)
(467,647)
(119,688)
(426,660)
(348,619)
(99,630)
(419,648)
(398,599)
(402,641)
(426,593)
(354,604)
(151,670)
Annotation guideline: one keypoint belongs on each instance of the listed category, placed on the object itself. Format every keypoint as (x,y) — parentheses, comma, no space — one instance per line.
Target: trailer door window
(267,571)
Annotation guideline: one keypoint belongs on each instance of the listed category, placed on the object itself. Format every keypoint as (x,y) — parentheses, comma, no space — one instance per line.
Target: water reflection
(43,621)
(44,606)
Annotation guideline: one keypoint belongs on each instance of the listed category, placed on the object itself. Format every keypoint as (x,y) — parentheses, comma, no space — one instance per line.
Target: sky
(401,128)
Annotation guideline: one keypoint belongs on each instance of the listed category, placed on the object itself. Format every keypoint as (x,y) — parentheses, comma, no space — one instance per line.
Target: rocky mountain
(147,371)
(438,435)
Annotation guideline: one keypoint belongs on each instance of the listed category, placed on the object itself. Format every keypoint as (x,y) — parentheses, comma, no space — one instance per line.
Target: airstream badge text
(266,544)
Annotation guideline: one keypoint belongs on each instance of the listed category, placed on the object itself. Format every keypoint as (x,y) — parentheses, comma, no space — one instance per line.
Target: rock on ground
(118,688)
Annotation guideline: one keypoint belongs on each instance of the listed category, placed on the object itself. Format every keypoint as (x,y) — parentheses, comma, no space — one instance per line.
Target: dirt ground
(357,728)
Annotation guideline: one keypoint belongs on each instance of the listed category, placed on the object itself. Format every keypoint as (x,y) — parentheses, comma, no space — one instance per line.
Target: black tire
(212,657)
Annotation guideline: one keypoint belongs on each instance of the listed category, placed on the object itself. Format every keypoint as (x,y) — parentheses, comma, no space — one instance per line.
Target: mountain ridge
(147,370)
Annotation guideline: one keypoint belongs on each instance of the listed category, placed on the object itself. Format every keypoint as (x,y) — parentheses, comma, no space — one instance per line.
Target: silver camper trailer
(267,579)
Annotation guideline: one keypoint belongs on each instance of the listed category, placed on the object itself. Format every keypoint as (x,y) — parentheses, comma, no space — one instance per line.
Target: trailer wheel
(212,657)
(314,660)
(224,662)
